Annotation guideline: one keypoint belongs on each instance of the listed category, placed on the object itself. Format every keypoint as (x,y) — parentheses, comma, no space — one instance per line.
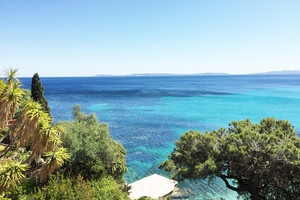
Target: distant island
(283,72)
(168,74)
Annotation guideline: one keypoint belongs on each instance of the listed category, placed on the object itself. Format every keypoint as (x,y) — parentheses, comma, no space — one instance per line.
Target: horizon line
(279,72)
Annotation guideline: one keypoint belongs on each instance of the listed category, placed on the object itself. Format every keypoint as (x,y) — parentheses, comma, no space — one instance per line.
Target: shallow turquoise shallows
(147,114)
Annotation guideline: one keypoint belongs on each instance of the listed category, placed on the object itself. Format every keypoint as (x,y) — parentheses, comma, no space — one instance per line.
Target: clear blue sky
(84,37)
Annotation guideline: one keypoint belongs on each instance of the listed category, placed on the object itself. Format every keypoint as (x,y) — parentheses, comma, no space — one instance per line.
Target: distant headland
(283,72)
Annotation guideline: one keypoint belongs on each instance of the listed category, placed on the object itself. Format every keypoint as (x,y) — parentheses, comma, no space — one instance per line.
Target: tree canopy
(93,152)
(258,161)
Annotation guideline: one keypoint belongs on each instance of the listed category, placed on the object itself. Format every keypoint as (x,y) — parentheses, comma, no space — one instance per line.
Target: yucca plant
(11,173)
(45,138)
(11,76)
(2,86)
(22,131)
(33,128)
(54,159)
(9,100)
(10,95)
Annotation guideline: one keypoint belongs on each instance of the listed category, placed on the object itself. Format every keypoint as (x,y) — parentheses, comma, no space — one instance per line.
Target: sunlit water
(147,114)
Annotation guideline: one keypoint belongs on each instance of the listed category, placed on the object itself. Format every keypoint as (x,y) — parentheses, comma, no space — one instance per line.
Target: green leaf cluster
(26,96)
(261,161)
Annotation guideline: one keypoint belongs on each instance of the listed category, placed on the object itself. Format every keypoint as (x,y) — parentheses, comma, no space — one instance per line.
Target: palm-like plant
(11,173)
(11,76)
(54,159)
(54,138)
(22,130)
(45,138)
(9,100)
(10,94)
(33,126)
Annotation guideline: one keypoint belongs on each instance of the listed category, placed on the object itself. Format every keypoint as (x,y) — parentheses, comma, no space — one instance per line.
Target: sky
(118,37)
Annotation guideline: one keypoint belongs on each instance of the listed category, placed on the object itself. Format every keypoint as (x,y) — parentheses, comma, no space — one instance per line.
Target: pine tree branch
(223,177)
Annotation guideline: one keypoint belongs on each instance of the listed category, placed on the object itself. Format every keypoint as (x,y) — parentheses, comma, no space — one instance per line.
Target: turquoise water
(147,114)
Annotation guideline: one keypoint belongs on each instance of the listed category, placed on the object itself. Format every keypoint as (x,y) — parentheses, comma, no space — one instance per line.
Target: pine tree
(37,92)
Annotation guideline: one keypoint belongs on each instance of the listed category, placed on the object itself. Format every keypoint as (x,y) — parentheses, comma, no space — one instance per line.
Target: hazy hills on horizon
(282,72)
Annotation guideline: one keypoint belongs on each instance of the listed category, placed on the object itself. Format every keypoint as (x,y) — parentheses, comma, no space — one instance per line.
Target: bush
(93,153)
(24,189)
(60,187)
(69,188)
(108,188)
(145,198)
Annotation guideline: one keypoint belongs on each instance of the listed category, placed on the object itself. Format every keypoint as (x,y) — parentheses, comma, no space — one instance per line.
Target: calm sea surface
(147,114)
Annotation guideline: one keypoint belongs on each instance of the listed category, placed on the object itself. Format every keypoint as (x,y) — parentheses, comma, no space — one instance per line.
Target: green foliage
(25,98)
(24,189)
(10,95)
(37,92)
(31,146)
(73,188)
(11,173)
(263,160)
(60,187)
(149,198)
(108,188)
(145,198)
(11,75)
(93,153)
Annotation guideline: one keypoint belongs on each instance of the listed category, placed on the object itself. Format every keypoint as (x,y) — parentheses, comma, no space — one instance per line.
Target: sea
(146,114)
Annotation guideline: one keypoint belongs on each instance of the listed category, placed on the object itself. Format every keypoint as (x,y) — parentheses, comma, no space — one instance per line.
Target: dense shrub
(71,188)
(145,198)
(23,189)
(93,153)
(108,188)
(60,187)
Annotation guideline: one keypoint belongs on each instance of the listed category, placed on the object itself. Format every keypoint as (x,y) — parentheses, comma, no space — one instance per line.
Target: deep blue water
(147,114)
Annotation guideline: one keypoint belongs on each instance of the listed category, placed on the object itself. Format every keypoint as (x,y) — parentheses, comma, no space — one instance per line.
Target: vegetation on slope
(259,161)
(31,147)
